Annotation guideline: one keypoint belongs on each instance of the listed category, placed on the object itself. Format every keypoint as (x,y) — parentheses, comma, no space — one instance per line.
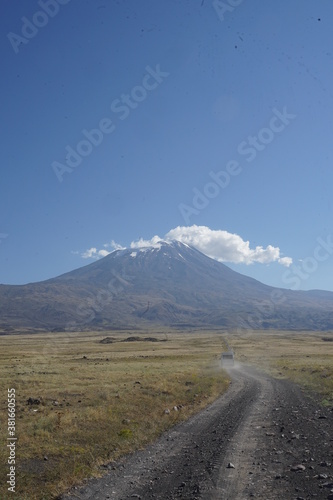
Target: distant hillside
(166,284)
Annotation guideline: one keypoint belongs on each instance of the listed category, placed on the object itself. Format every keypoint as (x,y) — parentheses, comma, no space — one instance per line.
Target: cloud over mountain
(217,244)
(226,247)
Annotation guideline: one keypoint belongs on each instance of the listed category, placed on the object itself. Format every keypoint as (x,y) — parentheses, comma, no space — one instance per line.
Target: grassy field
(97,401)
(100,401)
(303,357)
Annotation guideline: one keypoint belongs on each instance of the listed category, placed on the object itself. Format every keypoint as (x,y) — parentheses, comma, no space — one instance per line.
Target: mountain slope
(168,283)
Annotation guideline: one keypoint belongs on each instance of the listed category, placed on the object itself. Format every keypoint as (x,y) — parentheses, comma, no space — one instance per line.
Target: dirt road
(279,442)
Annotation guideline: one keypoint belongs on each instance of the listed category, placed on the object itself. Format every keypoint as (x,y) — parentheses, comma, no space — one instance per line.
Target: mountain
(167,284)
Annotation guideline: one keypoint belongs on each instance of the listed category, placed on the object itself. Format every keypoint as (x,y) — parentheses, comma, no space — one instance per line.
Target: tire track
(243,427)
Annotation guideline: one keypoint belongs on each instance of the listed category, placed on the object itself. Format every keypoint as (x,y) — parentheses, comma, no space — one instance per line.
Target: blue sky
(178,90)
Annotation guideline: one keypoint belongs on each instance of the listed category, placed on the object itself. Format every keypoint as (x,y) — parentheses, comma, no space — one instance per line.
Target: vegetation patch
(82,403)
(302,357)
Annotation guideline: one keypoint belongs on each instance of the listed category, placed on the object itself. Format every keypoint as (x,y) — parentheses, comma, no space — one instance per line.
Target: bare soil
(278,440)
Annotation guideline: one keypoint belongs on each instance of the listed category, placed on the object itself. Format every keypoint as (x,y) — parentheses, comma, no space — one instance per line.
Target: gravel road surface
(262,439)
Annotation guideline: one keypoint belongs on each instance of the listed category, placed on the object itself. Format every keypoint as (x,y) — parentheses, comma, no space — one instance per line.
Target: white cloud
(93,253)
(217,244)
(114,246)
(154,242)
(285,261)
(226,247)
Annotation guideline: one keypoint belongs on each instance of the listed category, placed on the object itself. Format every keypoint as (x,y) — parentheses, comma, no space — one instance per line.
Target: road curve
(264,427)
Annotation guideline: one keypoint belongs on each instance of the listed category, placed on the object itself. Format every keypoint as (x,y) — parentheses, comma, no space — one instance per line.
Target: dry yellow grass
(98,401)
(303,357)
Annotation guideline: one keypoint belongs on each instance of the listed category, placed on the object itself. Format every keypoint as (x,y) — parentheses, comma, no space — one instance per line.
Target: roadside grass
(97,401)
(101,401)
(306,358)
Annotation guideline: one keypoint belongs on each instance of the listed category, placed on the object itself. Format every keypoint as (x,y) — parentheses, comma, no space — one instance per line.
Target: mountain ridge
(168,283)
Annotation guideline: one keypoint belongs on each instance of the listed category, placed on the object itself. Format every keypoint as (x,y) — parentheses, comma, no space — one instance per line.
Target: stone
(327,485)
(33,401)
(297,468)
